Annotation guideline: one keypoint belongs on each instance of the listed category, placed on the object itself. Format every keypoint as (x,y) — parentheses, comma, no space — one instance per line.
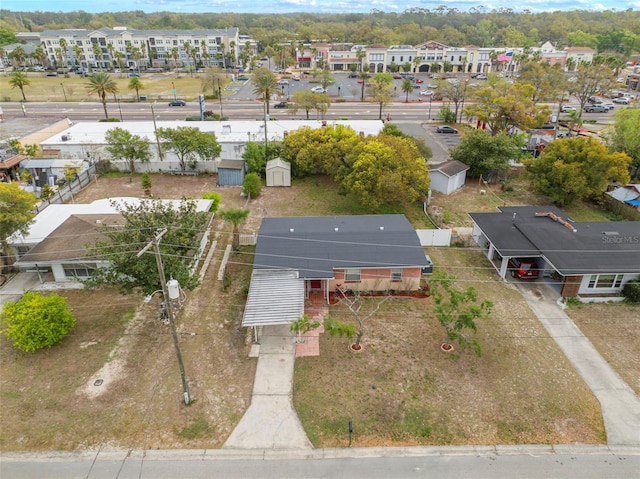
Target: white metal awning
(275,297)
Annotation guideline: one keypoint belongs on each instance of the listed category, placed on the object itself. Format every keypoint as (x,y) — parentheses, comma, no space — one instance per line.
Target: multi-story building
(123,47)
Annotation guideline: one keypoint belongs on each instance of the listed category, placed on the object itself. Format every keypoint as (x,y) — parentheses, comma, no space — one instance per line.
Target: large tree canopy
(124,145)
(503,106)
(484,153)
(16,213)
(143,221)
(575,168)
(190,145)
(625,136)
(387,169)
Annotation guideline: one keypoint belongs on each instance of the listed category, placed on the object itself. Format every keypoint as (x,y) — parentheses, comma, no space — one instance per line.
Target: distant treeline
(609,31)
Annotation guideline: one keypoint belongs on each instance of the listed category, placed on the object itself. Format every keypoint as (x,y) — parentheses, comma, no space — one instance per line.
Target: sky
(310,6)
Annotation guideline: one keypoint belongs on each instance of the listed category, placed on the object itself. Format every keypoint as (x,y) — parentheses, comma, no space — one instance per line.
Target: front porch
(315,306)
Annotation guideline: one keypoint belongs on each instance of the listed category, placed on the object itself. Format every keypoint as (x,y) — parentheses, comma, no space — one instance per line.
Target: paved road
(501,462)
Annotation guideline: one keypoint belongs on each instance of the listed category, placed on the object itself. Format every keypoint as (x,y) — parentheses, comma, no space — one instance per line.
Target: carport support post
(165,294)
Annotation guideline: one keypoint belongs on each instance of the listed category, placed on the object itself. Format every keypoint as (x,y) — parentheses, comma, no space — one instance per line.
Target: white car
(426,92)
(609,106)
(567,108)
(283,82)
(623,100)
(318,89)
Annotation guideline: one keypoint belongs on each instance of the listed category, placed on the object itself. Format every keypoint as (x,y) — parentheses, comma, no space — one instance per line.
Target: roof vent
(291,230)
(335,229)
(226,129)
(382,228)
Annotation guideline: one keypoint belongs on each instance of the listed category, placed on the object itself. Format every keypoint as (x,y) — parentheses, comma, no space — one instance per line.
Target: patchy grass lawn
(613,329)
(403,390)
(453,210)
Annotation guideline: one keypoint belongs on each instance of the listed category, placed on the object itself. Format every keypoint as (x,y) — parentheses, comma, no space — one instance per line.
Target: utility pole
(155,243)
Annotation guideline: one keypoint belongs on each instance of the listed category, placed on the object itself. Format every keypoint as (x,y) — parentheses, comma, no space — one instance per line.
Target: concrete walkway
(271,422)
(620,405)
(13,289)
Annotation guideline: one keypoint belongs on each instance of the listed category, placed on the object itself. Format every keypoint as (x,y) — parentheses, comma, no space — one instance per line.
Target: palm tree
(205,51)
(407,87)
(63,49)
(175,53)
(111,50)
(77,51)
(97,53)
(120,59)
(235,216)
(19,55)
(136,84)
(19,80)
(40,55)
(102,83)
(264,83)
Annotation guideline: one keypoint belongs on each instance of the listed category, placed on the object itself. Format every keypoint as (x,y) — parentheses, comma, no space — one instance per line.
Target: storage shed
(231,173)
(278,172)
(449,176)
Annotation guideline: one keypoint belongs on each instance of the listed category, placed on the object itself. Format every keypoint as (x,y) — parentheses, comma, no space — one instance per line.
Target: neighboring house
(10,166)
(593,260)
(628,194)
(49,171)
(278,172)
(315,254)
(57,238)
(449,176)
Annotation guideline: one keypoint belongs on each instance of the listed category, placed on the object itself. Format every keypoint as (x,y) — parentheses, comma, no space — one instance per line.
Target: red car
(397,77)
(418,80)
(524,268)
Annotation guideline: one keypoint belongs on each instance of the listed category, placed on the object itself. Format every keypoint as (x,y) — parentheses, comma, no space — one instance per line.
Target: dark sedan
(446,129)
(178,103)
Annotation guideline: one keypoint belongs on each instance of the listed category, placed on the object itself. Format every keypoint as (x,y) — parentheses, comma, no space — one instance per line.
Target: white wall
(434,237)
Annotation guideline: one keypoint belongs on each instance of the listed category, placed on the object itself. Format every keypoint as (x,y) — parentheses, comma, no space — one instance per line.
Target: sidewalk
(620,406)
(271,422)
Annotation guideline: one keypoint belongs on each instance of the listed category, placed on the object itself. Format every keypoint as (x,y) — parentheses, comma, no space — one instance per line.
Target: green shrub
(215,196)
(36,321)
(631,291)
(252,185)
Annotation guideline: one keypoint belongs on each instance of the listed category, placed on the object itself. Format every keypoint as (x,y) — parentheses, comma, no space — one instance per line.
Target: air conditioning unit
(64,138)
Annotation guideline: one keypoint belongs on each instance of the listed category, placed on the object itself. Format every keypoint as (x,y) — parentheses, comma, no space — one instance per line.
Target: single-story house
(278,172)
(48,171)
(628,194)
(320,253)
(57,238)
(449,176)
(593,260)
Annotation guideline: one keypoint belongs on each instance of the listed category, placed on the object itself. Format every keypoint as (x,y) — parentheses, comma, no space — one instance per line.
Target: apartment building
(123,47)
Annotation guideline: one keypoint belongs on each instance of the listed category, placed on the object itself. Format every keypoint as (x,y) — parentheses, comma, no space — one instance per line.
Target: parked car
(178,103)
(133,75)
(432,86)
(318,89)
(52,74)
(242,78)
(595,109)
(418,80)
(426,92)
(623,100)
(295,77)
(446,129)
(397,76)
(594,99)
(608,105)
(283,82)
(523,268)
(282,104)
(353,75)
(481,77)
(567,108)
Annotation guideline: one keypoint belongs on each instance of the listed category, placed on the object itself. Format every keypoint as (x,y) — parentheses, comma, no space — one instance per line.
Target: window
(605,281)
(396,274)
(352,275)
(78,270)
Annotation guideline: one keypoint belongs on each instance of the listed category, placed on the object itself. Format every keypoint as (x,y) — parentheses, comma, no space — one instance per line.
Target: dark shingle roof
(314,246)
(594,247)
(450,168)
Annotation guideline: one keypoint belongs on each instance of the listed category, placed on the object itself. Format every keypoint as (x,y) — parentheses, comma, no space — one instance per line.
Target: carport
(275,297)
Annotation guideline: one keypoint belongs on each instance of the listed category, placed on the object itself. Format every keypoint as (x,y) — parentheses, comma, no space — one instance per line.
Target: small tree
(303,325)
(122,144)
(235,216)
(252,185)
(145,182)
(457,311)
(16,214)
(355,304)
(36,321)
